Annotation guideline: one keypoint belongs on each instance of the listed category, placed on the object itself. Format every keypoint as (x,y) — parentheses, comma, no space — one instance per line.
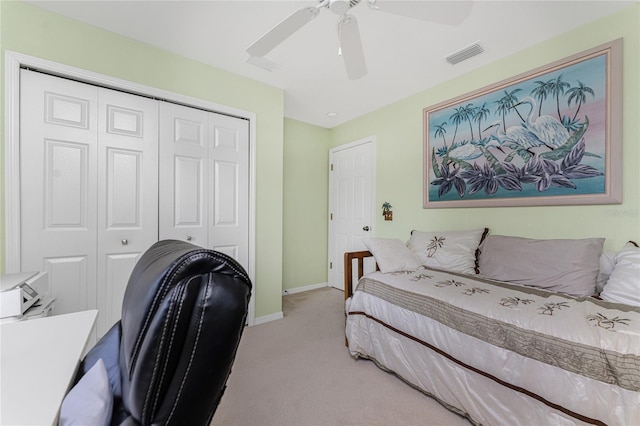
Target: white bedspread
(498,353)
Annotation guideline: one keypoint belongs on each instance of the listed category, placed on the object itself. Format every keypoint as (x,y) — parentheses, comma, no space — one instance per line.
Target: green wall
(36,32)
(306,182)
(399,131)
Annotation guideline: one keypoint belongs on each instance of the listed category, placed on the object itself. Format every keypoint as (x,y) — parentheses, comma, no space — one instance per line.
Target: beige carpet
(297,371)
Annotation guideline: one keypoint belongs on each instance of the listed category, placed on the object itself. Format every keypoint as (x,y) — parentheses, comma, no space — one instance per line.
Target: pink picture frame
(550,136)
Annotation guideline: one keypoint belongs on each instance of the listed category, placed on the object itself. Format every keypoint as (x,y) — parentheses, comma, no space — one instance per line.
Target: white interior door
(351,202)
(58,192)
(127,194)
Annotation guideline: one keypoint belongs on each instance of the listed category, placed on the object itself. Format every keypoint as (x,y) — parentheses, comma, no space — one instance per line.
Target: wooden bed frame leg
(348,276)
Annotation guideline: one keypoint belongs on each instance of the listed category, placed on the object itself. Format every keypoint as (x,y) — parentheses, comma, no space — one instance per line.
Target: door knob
(125,242)
(365,228)
(189,238)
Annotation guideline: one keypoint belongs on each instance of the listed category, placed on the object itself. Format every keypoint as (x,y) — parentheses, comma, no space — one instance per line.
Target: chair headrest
(180,298)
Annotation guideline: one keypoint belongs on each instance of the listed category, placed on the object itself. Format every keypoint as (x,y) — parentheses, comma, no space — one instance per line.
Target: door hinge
(331,167)
(330,265)
(330,216)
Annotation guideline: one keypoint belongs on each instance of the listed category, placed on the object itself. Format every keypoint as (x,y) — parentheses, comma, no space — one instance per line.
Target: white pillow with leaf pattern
(449,250)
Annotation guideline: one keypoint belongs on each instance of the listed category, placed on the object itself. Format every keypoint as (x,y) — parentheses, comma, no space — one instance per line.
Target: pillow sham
(391,255)
(90,401)
(450,250)
(607,263)
(567,266)
(623,285)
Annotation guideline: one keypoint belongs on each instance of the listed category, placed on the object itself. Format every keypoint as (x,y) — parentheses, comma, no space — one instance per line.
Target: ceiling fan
(350,44)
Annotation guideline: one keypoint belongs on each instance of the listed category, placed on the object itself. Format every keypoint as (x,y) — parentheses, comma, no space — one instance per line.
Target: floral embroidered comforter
(499,353)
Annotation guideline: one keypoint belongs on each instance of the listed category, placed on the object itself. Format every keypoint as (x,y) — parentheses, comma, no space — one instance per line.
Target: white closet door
(127,194)
(58,154)
(184,174)
(89,182)
(204,179)
(105,174)
(229,147)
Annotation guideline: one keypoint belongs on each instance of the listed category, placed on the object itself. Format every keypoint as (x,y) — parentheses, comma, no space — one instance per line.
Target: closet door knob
(365,228)
(125,242)
(189,238)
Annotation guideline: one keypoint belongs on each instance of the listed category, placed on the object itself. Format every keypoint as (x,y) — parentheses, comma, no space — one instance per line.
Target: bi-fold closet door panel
(127,193)
(89,189)
(184,180)
(229,202)
(58,186)
(204,179)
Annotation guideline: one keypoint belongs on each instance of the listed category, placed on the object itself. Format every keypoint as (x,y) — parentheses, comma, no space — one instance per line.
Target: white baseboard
(303,288)
(268,318)
(280,315)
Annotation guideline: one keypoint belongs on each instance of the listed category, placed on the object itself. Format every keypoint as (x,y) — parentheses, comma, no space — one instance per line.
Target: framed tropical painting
(551,136)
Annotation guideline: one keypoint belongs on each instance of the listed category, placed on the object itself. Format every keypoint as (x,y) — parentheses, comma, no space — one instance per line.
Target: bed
(500,351)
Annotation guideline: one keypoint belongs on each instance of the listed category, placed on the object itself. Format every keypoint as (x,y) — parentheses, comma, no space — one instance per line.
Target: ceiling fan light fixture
(340,7)
(464,53)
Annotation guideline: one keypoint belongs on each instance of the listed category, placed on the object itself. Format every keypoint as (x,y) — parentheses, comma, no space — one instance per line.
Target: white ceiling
(404,55)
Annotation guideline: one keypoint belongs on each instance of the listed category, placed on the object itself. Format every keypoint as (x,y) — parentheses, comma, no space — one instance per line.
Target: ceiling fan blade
(443,12)
(351,47)
(283,30)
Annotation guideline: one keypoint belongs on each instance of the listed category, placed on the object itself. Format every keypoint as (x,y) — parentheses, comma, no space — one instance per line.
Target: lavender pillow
(566,265)
(90,401)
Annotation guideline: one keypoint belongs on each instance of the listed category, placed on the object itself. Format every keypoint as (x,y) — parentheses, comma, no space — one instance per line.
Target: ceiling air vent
(464,53)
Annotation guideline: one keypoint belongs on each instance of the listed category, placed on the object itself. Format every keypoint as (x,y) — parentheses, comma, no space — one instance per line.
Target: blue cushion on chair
(90,401)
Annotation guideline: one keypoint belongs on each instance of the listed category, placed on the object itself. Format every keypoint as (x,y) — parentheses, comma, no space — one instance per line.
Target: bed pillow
(568,266)
(450,250)
(607,263)
(623,285)
(391,255)
(90,401)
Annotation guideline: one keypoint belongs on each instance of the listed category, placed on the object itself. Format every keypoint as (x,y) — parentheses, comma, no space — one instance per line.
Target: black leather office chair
(169,357)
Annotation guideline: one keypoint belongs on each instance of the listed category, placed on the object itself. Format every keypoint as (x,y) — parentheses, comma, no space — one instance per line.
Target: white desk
(38,360)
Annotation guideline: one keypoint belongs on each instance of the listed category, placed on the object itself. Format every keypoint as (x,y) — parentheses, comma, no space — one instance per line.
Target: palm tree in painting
(541,92)
(557,87)
(578,95)
(457,117)
(440,132)
(481,114)
(505,104)
(468,112)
